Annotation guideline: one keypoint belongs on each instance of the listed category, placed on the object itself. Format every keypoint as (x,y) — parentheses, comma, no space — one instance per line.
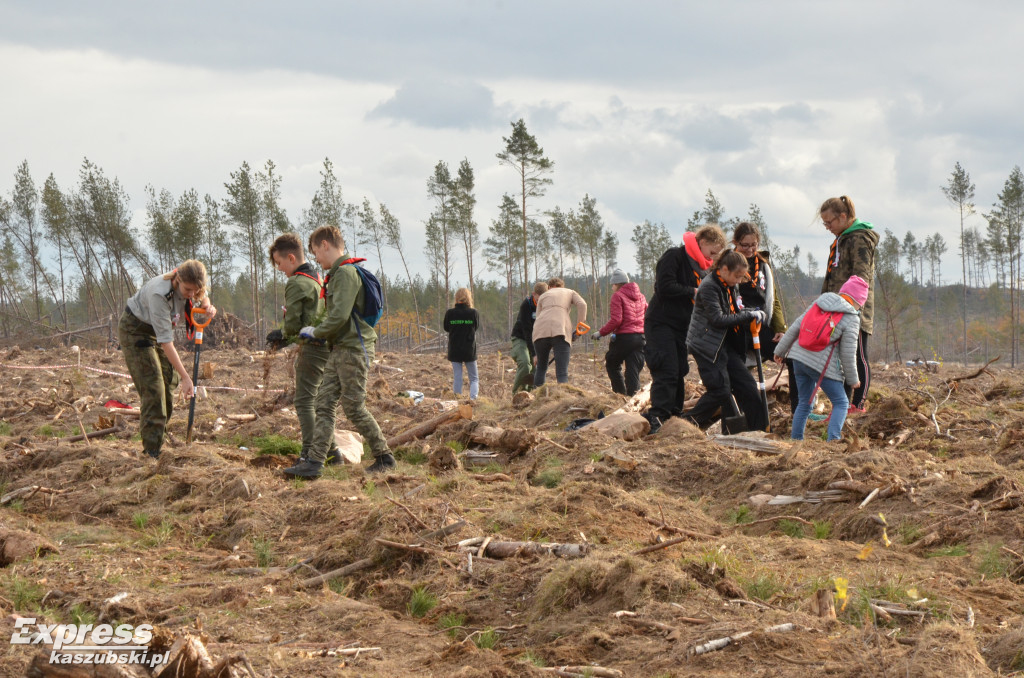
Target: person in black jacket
(718,341)
(523,351)
(677,276)
(461,324)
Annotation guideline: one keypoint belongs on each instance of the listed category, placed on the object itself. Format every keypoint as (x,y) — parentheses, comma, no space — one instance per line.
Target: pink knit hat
(857,288)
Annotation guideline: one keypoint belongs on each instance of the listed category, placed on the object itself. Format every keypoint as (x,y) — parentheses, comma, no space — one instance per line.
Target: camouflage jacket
(853,253)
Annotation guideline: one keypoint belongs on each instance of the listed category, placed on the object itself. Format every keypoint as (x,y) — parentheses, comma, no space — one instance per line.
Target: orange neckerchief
(732,299)
(833,257)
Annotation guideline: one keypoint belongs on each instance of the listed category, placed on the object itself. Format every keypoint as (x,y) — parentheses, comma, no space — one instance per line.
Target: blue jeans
(806,378)
(474,379)
(545,347)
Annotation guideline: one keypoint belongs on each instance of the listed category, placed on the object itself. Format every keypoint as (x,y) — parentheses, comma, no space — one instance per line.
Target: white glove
(758,316)
(307,332)
(596,336)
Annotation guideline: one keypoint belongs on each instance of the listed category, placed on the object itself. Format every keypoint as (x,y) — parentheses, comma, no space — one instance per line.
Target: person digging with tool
(717,339)
(553,330)
(351,341)
(146,334)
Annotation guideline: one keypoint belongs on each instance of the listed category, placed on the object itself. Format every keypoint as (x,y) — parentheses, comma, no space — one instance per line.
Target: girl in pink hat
(832,322)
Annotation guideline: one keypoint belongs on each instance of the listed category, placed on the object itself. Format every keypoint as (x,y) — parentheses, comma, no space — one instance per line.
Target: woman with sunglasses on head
(852,253)
(761,290)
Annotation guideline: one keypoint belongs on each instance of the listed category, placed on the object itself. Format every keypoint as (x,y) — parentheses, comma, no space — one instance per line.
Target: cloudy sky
(645,105)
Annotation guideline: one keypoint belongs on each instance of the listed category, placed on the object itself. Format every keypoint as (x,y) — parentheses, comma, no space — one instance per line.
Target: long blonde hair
(464,296)
(192,272)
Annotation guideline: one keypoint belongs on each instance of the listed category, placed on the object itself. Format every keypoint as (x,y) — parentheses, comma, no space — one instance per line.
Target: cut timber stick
(720,643)
(92,434)
(463,411)
(549,441)
(334,574)
(585,670)
(126,411)
(662,545)
(509,549)
(881,612)
(759,445)
(867,499)
(638,403)
(241,417)
(671,631)
(444,531)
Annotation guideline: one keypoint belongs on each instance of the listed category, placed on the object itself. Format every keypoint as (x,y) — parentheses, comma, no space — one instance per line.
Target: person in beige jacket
(554,331)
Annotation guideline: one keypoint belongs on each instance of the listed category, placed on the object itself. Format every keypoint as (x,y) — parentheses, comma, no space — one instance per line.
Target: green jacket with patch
(344,294)
(853,253)
(302,302)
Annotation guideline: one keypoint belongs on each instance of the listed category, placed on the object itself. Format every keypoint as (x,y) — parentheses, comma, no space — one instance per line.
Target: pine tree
(465,226)
(960,193)
(523,154)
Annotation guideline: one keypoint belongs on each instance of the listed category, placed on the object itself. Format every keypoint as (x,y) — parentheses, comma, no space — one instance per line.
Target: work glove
(307,332)
(596,336)
(275,339)
(758,316)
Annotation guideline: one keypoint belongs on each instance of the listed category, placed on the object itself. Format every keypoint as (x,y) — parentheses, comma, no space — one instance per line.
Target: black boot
(333,457)
(306,469)
(383,464)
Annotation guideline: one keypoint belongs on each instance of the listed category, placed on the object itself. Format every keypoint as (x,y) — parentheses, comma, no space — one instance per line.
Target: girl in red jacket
(626,328)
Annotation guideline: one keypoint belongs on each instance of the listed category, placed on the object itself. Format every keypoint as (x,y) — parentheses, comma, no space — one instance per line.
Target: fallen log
(444,531)
(92,434)
(334,574)
(640,402)
(515,441)
(240,417)
(30,491)
(759,445)
(491,477)
(511,549)
(585,670)
(463,411)
(720,643)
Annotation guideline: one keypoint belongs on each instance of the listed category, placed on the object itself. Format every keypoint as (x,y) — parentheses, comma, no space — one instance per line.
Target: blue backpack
(373,295)
(373,301)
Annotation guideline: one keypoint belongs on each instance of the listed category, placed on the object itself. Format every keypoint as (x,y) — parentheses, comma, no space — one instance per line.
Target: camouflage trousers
(345,380)
(309,374)
(524,365)
(154,378)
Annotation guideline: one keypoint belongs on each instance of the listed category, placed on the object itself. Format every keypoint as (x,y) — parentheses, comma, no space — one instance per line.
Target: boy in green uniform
(303,303)
(351,341)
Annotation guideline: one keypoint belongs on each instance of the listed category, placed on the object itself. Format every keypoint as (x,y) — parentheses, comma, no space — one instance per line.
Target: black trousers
(668,361)
(859,396)
(725,377)
(628,349)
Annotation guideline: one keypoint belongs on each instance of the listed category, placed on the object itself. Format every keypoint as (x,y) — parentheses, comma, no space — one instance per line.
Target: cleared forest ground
(203,539)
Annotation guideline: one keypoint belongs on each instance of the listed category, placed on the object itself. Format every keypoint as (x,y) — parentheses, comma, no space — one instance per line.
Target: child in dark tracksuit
(461,324)
(718,342)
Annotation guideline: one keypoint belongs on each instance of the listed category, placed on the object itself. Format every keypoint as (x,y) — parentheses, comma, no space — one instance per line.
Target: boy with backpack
(352,299)
(303,304)
(832,321)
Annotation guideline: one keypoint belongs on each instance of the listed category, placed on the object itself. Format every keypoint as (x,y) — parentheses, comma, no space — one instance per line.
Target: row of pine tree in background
(70,255)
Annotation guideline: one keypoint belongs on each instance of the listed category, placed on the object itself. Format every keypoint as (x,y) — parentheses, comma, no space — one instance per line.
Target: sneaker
(655,425)
(305,469)
(853,409)
(333,457)
(383,464)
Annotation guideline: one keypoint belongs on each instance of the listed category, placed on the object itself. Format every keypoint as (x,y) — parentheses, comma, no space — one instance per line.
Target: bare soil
(200,539)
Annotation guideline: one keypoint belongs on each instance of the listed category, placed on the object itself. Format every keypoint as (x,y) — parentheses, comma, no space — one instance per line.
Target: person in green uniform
(303,304)
(351,341)
(146,334)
